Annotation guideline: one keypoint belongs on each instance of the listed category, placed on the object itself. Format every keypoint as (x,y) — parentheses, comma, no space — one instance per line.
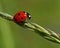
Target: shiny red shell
(20,17)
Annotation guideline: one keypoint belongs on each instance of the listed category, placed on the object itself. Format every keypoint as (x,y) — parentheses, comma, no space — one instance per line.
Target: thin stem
(6,16)
(47,34)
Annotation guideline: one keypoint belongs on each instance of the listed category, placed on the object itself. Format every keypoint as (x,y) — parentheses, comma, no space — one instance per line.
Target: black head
(28,15)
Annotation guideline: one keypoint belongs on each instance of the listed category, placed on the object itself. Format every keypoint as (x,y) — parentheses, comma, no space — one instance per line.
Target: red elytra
(20,17)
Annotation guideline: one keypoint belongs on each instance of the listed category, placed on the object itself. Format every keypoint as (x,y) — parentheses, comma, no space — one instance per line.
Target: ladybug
(21,17)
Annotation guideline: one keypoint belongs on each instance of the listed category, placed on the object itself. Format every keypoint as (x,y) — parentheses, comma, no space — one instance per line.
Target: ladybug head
(28,15)
(21,17)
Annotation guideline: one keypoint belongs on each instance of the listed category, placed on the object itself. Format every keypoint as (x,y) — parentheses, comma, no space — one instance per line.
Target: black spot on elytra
(18,14)
(21,17)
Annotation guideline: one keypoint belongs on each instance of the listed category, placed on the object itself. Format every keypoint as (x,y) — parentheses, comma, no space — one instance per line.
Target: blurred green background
(44,12)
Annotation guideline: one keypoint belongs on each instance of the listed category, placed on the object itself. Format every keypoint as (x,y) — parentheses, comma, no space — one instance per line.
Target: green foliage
(44,12)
